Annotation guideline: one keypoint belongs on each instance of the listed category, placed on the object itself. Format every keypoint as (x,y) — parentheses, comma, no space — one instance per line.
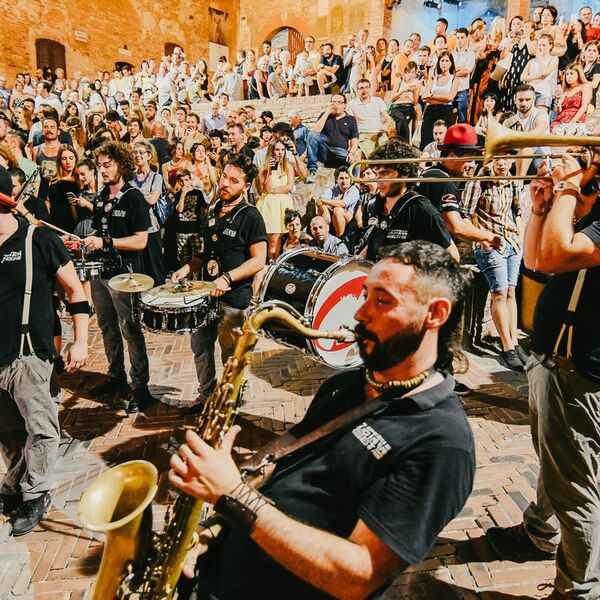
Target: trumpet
(498,139)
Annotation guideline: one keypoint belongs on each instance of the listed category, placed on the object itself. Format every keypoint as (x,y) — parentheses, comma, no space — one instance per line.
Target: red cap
(460,137)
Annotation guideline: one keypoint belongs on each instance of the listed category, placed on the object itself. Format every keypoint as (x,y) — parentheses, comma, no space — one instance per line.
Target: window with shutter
(50,54)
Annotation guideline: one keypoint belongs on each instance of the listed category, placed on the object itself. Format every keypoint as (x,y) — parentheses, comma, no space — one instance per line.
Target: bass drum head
(332,304)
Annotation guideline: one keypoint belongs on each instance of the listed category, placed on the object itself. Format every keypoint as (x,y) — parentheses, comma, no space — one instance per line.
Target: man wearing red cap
(30,259)
(459,140)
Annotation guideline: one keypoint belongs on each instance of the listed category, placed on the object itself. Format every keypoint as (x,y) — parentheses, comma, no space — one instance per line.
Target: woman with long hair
(75,128)
(438,95)
(150,184)
(589,59)
(87,174)
(542,72)
(384,66)
(573,102)
(203,174)
(177,162)
(62,192)
(22,122)
(490,112)
(405,108)
(276,179)
(248,69)
(17,96)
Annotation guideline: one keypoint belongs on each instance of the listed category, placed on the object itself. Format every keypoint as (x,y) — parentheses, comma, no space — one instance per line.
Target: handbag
(501,67)
(164,206)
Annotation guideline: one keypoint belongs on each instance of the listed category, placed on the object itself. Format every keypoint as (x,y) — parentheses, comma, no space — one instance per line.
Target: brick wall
(143,25)
(327,20)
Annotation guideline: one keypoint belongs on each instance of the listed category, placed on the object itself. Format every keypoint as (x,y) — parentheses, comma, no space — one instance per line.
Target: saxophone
(137,562)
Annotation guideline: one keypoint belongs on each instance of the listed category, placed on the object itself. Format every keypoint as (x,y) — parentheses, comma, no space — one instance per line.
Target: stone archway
(288,38)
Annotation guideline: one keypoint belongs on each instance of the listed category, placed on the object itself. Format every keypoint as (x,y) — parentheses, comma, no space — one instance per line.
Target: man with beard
(397,213)
(46,154)
(348,511)
(121,220)
(234,249)
(331,65)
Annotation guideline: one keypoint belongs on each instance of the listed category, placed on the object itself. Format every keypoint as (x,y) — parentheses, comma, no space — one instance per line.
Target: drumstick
(75,237)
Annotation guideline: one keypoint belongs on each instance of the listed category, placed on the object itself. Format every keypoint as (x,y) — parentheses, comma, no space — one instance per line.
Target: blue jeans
(500,269)
(317,148)
(462,104)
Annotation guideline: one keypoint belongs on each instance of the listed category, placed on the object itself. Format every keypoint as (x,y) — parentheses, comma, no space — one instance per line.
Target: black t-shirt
(126,216)
(226,245)
(162,150)
(333,60)
(49,254)
(37,207)
(191,219)
(445,195)
(413,217)
(338,132)
(60,209)
(552,305)
(405,471)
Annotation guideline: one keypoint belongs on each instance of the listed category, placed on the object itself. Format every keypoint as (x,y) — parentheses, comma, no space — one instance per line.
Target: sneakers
(310,178)
(195,407)
(555,595)
(460,389)
(141,400)
(29,514)
(522,354)
(110,385)
(9,502)
(511,360)
(513,543)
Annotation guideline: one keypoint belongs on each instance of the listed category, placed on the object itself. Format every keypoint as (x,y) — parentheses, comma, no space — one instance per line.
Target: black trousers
(154,261)
(403,115)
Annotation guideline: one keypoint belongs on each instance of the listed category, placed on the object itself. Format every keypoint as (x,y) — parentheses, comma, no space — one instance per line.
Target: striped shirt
(494,206)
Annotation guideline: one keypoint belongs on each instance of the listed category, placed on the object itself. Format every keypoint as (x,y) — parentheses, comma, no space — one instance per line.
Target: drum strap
(25,335)
(567,326)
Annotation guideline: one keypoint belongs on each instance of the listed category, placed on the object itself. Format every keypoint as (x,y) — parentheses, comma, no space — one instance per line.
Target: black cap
(6,188)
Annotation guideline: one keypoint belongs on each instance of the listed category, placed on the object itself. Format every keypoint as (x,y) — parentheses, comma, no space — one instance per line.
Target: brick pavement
(58,560)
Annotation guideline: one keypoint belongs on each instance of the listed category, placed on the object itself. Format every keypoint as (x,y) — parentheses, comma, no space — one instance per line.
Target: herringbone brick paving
(58,560)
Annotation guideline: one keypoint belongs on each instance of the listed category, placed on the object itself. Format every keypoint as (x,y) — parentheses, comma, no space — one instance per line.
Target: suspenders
(25,336)
(567,325)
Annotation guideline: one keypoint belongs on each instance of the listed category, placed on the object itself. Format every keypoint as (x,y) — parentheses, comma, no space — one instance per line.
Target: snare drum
(326,290)
(182,315)
(88,270)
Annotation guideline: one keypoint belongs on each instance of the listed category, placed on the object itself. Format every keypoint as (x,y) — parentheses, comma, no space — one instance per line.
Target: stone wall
(95,33)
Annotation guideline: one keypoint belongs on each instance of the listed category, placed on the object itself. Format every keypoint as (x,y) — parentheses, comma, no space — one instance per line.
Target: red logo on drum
(354,288)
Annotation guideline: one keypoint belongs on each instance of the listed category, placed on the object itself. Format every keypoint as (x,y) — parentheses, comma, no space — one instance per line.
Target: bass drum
(326,290)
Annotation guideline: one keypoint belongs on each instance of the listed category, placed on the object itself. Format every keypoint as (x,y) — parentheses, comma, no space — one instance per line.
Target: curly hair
(243,163)
(121,154)
(396,148)
(437,274)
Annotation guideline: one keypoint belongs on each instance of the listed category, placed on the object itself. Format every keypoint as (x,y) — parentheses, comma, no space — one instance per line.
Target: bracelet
(240,507)
(539,213)
(569,191)
(107,243)
(227,277)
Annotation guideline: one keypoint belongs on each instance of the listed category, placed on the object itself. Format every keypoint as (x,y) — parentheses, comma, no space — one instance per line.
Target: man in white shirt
(45,97)
(464,63)
(371,117)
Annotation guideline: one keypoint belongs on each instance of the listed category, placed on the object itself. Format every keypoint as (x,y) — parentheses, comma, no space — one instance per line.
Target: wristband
(568,191)
(107,243)
(240,507)
(78,308)
(539,213)
(227,277)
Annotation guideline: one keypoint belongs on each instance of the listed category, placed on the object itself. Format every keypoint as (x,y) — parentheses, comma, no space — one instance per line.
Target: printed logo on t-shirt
(119,213)
(229,232)
(374,442)
(449,199)
(12,256)
(397,234)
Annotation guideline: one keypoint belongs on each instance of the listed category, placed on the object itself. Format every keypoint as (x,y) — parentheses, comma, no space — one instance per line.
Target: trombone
(498,139)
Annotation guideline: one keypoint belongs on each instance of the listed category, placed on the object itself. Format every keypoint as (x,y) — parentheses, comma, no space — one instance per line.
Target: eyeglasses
(140,152)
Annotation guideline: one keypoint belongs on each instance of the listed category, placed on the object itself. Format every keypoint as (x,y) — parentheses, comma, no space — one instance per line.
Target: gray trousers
(29,429)
(116,322)
(564,411)
(202,343)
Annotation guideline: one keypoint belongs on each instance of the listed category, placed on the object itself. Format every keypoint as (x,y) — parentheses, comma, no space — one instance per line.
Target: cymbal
(131,283)
(181,290)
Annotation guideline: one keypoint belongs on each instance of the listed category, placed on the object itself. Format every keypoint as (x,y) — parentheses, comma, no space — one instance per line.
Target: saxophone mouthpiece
(346,334)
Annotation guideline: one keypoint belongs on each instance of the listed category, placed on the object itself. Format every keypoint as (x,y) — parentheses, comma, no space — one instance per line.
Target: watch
(562,186)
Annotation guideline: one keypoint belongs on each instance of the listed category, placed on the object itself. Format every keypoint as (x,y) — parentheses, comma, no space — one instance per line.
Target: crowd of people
(133,177)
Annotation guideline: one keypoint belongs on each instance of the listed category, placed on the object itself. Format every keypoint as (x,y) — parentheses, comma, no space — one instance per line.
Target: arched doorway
(49,53)
(289,39)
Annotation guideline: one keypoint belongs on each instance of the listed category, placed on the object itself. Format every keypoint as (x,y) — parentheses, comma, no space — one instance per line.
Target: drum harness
(25,334)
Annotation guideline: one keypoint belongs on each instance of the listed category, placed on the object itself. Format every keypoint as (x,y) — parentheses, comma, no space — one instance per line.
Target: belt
(549,361)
